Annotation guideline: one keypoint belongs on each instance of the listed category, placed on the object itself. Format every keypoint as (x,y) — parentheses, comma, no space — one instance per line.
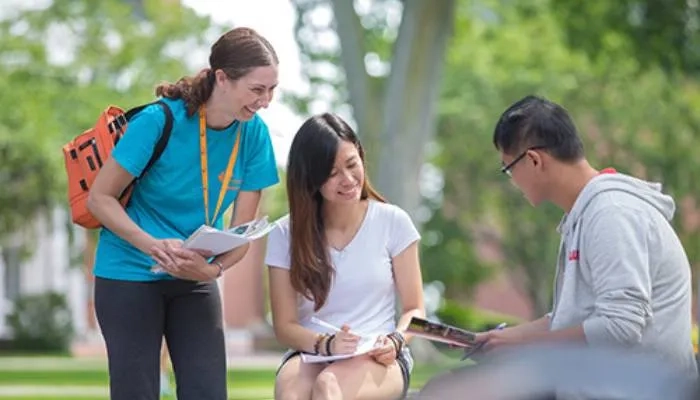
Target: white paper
(366,344)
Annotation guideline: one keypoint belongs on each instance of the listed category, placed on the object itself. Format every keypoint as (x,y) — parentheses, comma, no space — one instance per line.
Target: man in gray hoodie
(623,278)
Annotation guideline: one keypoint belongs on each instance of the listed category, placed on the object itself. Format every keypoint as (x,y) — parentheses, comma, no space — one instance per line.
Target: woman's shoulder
(281,229)
(386,210)
(176,107)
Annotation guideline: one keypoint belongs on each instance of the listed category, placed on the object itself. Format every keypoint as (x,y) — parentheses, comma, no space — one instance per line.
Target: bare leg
(358,378)
(296,379)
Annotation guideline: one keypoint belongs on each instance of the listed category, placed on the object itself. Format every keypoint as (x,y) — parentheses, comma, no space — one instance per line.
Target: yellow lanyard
(205,172)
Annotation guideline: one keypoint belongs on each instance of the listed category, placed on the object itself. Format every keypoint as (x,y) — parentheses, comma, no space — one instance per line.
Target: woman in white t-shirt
(339,259)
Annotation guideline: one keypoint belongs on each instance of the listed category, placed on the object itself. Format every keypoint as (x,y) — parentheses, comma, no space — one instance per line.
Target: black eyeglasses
(506,169)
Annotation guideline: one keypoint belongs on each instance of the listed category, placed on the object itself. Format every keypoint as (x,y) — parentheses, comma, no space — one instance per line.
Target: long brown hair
(236,53)
(311,159)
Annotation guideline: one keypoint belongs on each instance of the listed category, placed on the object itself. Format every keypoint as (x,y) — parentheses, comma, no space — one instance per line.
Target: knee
(292,391)
(326,387)
(281,394)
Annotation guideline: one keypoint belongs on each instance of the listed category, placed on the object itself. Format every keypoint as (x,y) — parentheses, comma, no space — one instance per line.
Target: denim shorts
(405,361)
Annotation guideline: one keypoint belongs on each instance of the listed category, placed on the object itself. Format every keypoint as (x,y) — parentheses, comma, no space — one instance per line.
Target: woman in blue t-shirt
(215,129)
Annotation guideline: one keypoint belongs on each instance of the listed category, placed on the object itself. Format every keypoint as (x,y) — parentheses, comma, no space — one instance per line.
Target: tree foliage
(643,121)
(60,66)
(625,74)
(390,56)
(653,33)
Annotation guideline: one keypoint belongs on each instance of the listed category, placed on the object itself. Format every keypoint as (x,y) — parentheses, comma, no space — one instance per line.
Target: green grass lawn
(63,378)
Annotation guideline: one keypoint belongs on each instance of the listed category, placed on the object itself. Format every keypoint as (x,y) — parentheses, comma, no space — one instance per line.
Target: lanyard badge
(204,166)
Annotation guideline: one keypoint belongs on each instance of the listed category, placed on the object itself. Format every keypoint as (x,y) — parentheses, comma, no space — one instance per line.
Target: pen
(325,324)
(478,347)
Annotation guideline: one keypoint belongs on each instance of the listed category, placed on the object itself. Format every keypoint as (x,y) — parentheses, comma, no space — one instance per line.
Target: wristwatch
(220,266)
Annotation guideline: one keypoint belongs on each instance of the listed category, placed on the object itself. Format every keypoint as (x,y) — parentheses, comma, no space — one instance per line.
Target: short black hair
(537,122)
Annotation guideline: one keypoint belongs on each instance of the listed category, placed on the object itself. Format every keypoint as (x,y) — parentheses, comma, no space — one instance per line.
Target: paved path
(37,392)
(258,360)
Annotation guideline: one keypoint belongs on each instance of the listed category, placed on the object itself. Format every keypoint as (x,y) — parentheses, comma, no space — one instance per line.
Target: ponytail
(195,90)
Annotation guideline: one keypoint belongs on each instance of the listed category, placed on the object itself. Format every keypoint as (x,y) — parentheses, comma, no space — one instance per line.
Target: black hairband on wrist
(328,344)
(399,341)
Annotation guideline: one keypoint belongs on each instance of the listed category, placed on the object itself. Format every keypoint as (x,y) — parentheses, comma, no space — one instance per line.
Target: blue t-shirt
(168,202)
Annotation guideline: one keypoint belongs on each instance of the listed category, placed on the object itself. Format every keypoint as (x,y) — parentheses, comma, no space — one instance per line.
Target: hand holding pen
(344,340)
(482,339)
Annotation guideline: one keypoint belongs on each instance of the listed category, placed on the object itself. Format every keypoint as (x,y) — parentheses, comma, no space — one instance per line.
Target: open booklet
(217,242)
(441,332)
(214,241)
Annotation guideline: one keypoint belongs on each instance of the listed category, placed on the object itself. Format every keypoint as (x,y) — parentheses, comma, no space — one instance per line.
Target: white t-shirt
(362,293)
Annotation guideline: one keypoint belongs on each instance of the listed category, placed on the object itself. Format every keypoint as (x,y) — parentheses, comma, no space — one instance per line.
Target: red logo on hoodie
(573,255)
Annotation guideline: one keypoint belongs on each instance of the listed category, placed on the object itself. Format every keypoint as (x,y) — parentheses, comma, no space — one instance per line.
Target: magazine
(440,332)
(216,242)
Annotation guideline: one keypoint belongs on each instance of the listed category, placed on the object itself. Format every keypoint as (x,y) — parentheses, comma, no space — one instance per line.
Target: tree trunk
(366,103)
(396,127)
(411,98)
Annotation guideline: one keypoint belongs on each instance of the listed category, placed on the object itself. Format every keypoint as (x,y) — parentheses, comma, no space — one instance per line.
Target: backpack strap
(160,145)
(164,137)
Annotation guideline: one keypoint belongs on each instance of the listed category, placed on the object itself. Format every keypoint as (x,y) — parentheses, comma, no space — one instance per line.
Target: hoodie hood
(649,192)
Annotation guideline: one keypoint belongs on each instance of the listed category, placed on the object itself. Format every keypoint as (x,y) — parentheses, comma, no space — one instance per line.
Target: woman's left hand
(385,352)
(190,265)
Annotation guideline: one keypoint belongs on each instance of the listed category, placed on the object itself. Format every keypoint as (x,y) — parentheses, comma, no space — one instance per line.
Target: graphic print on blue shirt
(168,201)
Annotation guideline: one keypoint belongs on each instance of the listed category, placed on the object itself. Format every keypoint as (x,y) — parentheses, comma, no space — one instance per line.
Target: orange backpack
(87,152)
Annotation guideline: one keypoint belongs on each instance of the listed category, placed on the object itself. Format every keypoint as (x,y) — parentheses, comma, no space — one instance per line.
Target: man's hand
(499,338)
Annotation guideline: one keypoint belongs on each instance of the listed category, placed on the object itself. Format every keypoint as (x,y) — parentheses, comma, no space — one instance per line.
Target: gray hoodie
(623,272)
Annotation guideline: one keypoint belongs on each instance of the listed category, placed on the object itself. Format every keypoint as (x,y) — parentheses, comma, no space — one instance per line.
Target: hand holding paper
(180,262)
(210,242)
(384,352)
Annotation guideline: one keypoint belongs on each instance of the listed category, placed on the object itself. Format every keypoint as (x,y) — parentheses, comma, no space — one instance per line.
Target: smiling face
(347,176)
(248,94)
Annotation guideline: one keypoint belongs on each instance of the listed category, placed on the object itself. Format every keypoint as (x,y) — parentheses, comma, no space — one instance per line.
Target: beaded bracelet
(317,343)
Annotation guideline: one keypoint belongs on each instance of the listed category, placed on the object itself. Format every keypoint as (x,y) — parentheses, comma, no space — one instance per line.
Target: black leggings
(134,317)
